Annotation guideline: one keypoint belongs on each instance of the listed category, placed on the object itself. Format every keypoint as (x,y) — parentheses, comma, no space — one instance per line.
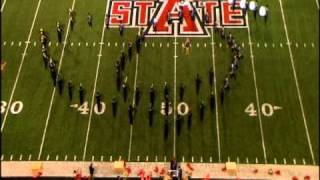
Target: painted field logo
(174,17)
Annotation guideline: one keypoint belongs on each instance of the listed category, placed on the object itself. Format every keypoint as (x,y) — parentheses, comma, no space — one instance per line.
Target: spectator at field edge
(91,170)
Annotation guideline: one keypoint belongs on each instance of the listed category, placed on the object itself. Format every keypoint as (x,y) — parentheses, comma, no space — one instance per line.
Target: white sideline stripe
(174,96)
(215,92)
(317,4)
(4,3)
(133,99)
(54,89)
(20,66)
(94,87)
(297,85)
(257,94)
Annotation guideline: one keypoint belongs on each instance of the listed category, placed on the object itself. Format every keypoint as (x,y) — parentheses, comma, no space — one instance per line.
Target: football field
(270,114)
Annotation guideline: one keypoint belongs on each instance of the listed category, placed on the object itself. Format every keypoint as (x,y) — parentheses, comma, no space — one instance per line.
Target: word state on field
(15,108)
(266,108)
(197,16)
(84,109)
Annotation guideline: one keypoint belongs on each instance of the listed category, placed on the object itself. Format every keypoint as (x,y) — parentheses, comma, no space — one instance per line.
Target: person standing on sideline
(91,171)
(70,88)
(89,19)
(121,28)
(187,45)
(59,31)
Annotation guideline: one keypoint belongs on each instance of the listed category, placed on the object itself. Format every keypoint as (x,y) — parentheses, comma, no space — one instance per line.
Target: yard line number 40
(266,108)
(15,108)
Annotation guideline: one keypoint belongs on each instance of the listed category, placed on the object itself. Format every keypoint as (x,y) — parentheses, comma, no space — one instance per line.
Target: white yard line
(4,3)
(317,4)
(54,89)
(95,85)
(297,84)
(21,63)
(215,92)
(256,91)
(174,95)
(133,100)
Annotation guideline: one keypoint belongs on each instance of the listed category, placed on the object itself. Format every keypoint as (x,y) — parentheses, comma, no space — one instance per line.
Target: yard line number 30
(15,108)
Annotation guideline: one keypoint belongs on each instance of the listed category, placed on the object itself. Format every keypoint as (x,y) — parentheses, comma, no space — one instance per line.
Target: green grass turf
(239,135)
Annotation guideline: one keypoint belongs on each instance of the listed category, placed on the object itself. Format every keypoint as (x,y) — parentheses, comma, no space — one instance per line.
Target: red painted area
(230,16)
(210,10)
(120,12)
(143,8)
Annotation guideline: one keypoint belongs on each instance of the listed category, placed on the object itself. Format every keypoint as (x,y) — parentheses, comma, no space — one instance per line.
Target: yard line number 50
(15,108)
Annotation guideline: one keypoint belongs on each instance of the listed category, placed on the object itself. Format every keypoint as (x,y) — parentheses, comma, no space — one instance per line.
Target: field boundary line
(21,63)
(95,83)
(297,83)
(215,92)
(54,88)
(256,91)
(3,4)
(133,100)
(317,3)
